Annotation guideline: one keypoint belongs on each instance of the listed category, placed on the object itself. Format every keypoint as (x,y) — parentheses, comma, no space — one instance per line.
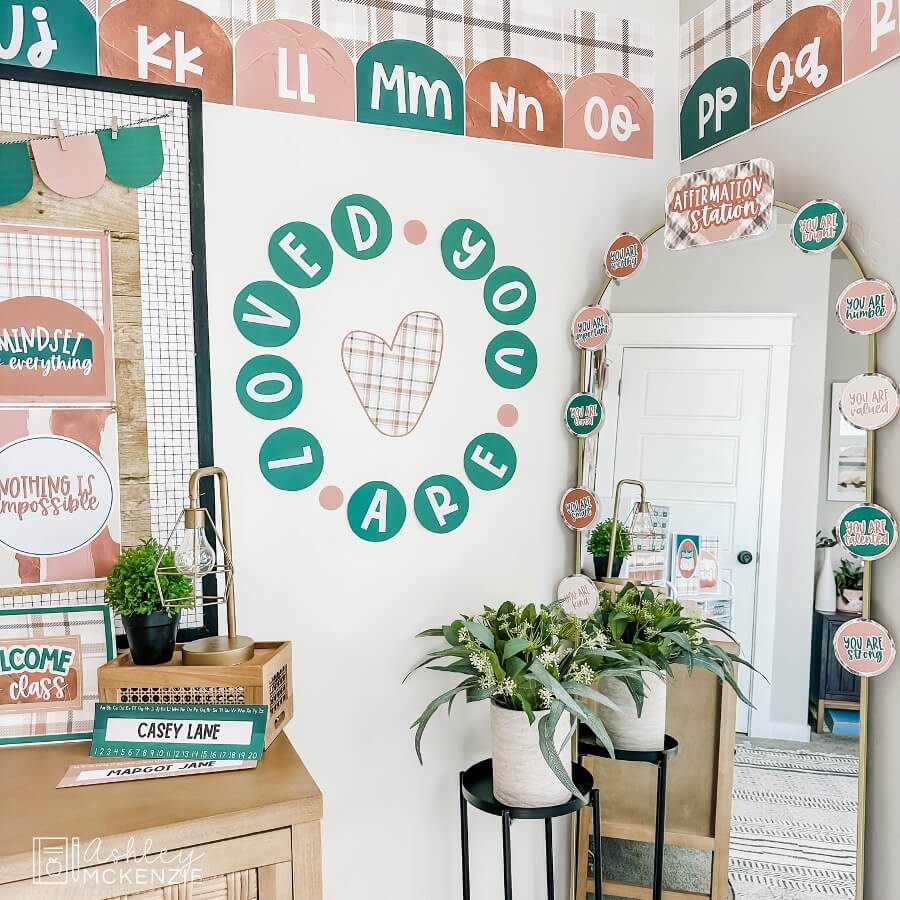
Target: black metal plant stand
(476,786)
(588,745)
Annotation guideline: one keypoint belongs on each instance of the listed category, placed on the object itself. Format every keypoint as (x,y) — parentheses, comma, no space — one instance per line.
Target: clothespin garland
(57,128)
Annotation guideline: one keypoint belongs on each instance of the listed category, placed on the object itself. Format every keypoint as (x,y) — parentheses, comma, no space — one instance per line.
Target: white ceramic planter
(521,775)
(826,591)
(626,730)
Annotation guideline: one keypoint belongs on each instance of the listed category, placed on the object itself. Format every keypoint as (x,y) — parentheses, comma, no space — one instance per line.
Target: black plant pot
(601,562)
(151,638)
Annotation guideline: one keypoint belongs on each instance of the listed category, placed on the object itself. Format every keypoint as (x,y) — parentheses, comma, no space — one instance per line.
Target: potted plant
(131,592)
(598,547)
(651,634)
(848,582)
(537,668)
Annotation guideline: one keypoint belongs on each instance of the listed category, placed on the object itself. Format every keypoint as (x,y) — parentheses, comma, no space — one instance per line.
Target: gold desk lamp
(196,559)
(641,523)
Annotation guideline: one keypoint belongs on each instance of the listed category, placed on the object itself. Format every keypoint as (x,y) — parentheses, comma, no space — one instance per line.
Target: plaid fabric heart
(394,381)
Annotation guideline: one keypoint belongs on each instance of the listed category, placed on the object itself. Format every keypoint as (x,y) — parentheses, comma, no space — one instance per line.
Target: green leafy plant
(527,659)
(131,586)
(653,633)
(849,577)
(823,540)
(599,540)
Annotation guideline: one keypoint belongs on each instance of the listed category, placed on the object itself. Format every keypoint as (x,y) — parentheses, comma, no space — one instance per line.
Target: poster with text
(59,495)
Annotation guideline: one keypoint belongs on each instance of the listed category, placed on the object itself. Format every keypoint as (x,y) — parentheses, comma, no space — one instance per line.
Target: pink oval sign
(866,306)
(591,328)
(864,647)
(578,508)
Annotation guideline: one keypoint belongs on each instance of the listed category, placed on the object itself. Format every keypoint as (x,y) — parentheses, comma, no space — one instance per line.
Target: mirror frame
(872,366)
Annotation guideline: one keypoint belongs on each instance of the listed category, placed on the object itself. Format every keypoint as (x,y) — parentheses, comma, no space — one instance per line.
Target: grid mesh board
(166,285)
(67,268)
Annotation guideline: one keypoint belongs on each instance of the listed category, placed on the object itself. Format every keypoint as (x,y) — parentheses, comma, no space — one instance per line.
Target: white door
(691,426)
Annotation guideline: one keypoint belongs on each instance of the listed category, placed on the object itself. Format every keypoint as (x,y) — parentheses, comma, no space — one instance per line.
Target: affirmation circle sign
(864,647)
(866,306)
(57,495)
(624,256)
(584,414)
(578,596)
(591,328)
(869,401)
(578,508)
(867,531)
(818,226)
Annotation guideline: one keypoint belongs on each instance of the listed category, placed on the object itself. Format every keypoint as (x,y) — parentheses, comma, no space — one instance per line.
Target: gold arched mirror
(719,385)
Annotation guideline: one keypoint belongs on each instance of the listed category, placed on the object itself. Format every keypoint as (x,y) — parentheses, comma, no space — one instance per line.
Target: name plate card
(179,731)
(129,770)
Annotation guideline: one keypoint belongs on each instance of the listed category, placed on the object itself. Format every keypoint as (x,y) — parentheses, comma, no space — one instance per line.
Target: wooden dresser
(240,835)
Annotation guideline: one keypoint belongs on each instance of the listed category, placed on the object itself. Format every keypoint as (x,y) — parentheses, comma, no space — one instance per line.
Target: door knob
(745,557)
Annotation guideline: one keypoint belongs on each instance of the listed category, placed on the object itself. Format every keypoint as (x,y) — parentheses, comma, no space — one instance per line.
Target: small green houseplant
(533,665)
(848,581)
(131,592)
(650,634)
(598,547)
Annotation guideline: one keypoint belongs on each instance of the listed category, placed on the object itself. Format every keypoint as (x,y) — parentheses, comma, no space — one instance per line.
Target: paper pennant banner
(15,173)
(866,306)
(864,647)
(134,158)
(579,508)
(578,595)
(867,531)
(819,226)
(869,401)
(624,256)
(76,171)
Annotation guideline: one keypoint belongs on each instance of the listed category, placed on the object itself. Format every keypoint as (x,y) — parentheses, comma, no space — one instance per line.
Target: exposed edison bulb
(194,555)
(642,522)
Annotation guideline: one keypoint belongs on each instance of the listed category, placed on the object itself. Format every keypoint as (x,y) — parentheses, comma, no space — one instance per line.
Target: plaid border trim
(565,42)
(735,28)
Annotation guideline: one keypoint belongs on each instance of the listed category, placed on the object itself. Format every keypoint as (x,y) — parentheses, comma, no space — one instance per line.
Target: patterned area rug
(793,826)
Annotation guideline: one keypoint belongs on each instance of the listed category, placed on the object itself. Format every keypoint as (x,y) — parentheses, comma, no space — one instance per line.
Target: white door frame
(772,332)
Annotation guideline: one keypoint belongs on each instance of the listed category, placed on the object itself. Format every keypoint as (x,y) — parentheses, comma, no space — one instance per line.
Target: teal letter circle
(468,249)
(266,313)
(361,226)
(291,459)
(269,387)
(376,511)
(441,503)
(490,461)
(301,254)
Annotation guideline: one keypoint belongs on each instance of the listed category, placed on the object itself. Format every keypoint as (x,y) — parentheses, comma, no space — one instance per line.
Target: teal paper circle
(490,461)
(269,387)
(819,226)
(435,500)
(509,295)
(301,254)
(584,415)
(511,360)
(266,313)
(467,249)
(867,531)
(376,511)
(366,240)
(291,459)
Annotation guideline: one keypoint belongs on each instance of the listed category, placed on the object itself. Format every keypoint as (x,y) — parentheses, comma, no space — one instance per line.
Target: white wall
(845,146)
(351,608)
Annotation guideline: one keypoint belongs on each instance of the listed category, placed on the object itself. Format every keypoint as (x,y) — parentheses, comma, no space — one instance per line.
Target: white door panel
(691,426)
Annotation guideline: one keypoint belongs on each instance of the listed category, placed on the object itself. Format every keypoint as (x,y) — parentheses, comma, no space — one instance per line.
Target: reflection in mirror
(719,385)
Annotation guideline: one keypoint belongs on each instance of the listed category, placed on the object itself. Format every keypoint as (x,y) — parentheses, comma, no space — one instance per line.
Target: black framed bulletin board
(157,272)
